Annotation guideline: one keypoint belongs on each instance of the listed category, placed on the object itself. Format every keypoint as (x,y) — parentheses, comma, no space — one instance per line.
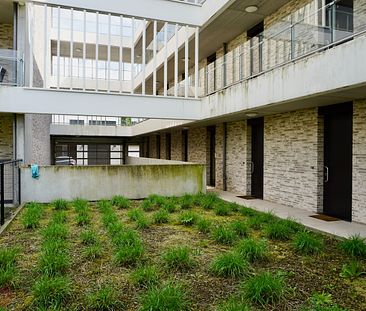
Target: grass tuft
(168,297)
(279,230)
(307,243)
(80,205)
(240,227)
(258,220)
(354,246)
(204,225)
(222,209)
(59,204)
(145,277)
(32,215)
(186,201)
(161,217)
(121,202)
(152,202)
(178,258)
(104,298)
(88,237)
(188,218)
(206,201)
(264,288)
(93,251)
(170,205)
(7,266)
(229,264)
(233,304)
(253,250)
(224,234)
(129,255)
(352,270)
(83,219)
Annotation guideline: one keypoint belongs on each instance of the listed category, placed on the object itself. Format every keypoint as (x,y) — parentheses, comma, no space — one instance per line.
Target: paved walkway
(337,228)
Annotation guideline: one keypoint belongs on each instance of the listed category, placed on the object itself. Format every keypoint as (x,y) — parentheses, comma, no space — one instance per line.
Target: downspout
(224,151)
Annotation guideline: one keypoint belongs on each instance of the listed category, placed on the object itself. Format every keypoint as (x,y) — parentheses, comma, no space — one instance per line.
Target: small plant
(264,288)
(142,222)
(153,202)
(7,257)
(55,231)
(83,219)
(354,246)
(80,205)
(170,206)
(161,217)
(352,270)
(253,250)
(129,254)
(60,204)
(279,230)
(229,264)
(93,251)
(224,235)
(234,207)
(104,298)
(204,225)
(59,217)
(32,215)
(88,237)
(135,214)
(104,205)
(7,276)
(188,218)
(322,302)
(233,304)
(260,219)
(54,262)
(240,228)
(168,297)
(186,202)
(247,212)
(51,292)
(206,201)
(178,258)
(222,209)
(146,276)
(121,201)
(307,243)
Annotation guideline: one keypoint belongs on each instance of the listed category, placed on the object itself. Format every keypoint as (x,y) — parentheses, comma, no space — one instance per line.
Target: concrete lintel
(45,101)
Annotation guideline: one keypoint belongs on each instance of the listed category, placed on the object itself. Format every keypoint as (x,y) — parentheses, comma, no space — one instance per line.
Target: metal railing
(286,41)
(195,2)
(61,119)
(11,68)
(9,186)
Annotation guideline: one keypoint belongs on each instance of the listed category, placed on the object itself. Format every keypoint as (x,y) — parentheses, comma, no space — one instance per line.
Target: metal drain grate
(246,197)
(324,217)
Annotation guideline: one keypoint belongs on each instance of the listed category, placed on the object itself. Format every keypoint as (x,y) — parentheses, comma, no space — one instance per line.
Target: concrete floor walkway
(337,228)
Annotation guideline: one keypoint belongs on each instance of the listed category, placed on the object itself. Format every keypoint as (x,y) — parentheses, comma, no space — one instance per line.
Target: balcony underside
(43,101)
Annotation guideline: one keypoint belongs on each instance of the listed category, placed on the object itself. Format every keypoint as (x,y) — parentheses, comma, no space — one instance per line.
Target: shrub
(204,225)
(252,249)
(186,201)
(51,292)
(188,218)
(83,219)
(88,237)
(233,305)
(229,264)
(169,297)
(60,204)
(240,228)
(354,246)
(93,251)
(32,215)
(224,235)
(307,243)
(178,258)
(80,205)
(279,230)
(264,288)
(260,219)
(352,270)
(104,298)
(161,217)
(121,201)
(145,277)
(222,209)
(129,254)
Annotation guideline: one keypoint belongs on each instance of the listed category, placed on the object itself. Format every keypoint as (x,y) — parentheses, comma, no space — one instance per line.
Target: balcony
(11,68)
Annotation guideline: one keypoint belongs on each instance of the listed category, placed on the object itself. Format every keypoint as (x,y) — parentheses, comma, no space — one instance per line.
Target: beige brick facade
(219,156)
(6,150)
(6,36)
(291,159)
(197,145)
(177,145)
(359,162)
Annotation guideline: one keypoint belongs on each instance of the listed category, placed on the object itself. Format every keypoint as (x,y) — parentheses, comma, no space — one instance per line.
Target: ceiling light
(78,50)
(251,114)
(251,9)
(183,59)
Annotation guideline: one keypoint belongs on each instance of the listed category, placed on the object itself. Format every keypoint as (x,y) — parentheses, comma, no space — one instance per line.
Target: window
(134,151)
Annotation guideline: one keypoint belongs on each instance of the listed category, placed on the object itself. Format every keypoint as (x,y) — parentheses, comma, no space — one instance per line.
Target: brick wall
(6,36)
(219,156)
(177,145)
(292,165)
(359,162)
(163,146)
(152,148)
(197,145)
(6,148)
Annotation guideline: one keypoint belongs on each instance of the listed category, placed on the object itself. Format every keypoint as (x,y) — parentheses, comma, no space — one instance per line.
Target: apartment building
(270,95)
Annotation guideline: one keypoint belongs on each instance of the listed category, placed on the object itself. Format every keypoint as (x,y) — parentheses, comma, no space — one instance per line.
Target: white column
(165,59)
(121,55)
(133,56)
(45,47)
(96,51)
(84,52)
(154,57)
(196,57)
(109,53)
(71,48)
(30,31)
(186,64)
(58,45)
(176,60)
(143,55)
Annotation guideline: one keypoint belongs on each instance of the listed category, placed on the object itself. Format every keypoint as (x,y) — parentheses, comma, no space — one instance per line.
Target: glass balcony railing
(11,68)
(61,119)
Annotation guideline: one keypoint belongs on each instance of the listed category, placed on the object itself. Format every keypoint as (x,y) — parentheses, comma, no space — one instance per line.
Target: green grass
(145,277)
(7,277)
(104,205)
(121,202)
(352,270)
(153,202)
(264,288)
(8,257)
(161,217)
(307,243)
(80,205)
(229,264)
(224,234)
(88,237)
(233,304)
(125,237)
(188,218)
(55,231)
(354,246)
(129,255)
(222,209)
(279,230)
(55,262)
(60,204)
(240,227)
(168,297)
(204,225)
(247,212)
(59,217)
(135,214)
(206,201)
(186,201)
(253,250)
(105,298)
(51,292)
(170,205)
(259,220)
(83,219)
(32,215)
(178,258)
(93,251)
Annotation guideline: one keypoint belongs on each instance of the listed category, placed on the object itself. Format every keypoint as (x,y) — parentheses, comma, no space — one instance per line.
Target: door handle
(326,173)
(251,167)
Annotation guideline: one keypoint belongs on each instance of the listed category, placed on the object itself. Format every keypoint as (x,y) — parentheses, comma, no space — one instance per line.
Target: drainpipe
(224,151)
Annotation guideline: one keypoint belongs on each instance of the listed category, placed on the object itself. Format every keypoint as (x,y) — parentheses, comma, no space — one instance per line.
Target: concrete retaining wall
(99,182)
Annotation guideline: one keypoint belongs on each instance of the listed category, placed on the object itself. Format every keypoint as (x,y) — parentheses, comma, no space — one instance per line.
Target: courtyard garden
(190,253)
